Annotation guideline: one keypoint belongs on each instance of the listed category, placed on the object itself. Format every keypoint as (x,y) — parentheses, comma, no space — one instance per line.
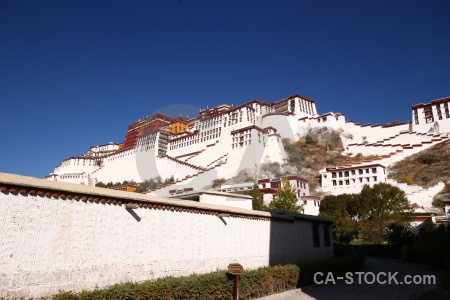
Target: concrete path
(379,289)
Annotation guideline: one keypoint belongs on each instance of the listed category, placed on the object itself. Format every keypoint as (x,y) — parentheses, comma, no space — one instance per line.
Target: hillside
(323,148)
(319,149)
(425,168)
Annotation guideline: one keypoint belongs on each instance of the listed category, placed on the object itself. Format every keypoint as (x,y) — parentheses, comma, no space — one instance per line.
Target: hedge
(217,285)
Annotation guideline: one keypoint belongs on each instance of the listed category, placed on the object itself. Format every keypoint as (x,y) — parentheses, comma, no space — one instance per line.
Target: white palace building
(222,141)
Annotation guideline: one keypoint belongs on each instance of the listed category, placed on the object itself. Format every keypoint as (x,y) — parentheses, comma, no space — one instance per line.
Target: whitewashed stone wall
(242,201)
(311,207)
(50,243)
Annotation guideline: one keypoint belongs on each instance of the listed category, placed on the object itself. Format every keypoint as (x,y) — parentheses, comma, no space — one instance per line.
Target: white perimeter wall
(49,244)
(239,202)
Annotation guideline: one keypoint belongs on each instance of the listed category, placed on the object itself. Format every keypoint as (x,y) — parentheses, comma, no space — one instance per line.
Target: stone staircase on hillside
(186,157)
(392,153)
(184,163)
(190,181)
(203,150)
(401,141)
(215,161)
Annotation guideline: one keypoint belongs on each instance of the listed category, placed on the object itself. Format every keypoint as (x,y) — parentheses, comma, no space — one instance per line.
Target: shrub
(400,234)
(218,182)
(408,180)
(216,285)
(429,159)
(438,202)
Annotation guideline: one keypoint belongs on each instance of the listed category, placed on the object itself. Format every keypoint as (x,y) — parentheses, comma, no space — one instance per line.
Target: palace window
(428,114)
(438,108)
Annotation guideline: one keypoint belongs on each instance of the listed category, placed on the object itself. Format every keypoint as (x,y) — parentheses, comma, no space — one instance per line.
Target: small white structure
(217,198)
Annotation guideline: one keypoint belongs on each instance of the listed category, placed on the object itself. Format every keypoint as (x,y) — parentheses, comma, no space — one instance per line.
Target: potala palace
(222,141)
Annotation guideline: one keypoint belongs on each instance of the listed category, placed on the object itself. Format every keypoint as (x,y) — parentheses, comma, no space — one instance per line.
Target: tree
(257,201)
(379,206)
(408,180)
(341,210)
(438,202)
(146,185)
(309,140)
(400,234)
(218,182)
(100,184)
(285,198)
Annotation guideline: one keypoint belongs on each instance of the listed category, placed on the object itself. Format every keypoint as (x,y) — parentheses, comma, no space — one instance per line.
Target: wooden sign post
(236,270)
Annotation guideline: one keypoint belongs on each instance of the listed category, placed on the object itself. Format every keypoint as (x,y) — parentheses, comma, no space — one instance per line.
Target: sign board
(235,269)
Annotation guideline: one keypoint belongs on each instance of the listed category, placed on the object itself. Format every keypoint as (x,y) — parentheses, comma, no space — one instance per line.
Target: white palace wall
(119,167)
(60,236)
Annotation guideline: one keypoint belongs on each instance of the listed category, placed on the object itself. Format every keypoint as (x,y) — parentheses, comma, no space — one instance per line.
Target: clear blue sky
(74,74)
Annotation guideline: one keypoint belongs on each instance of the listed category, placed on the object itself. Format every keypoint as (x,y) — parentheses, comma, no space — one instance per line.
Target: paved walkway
(367,291)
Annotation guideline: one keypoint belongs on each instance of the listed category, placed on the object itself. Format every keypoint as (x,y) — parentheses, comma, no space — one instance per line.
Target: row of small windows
(306,106)
(316,202)
(241,139)
(118,156)
(76,162)
(352,172)
(360,180)
(185,143)
(211,122)
(148,140)
(301,184)
(429,115)
(71,176)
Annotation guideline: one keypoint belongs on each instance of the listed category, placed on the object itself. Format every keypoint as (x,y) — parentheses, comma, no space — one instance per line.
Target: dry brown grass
(426,168)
